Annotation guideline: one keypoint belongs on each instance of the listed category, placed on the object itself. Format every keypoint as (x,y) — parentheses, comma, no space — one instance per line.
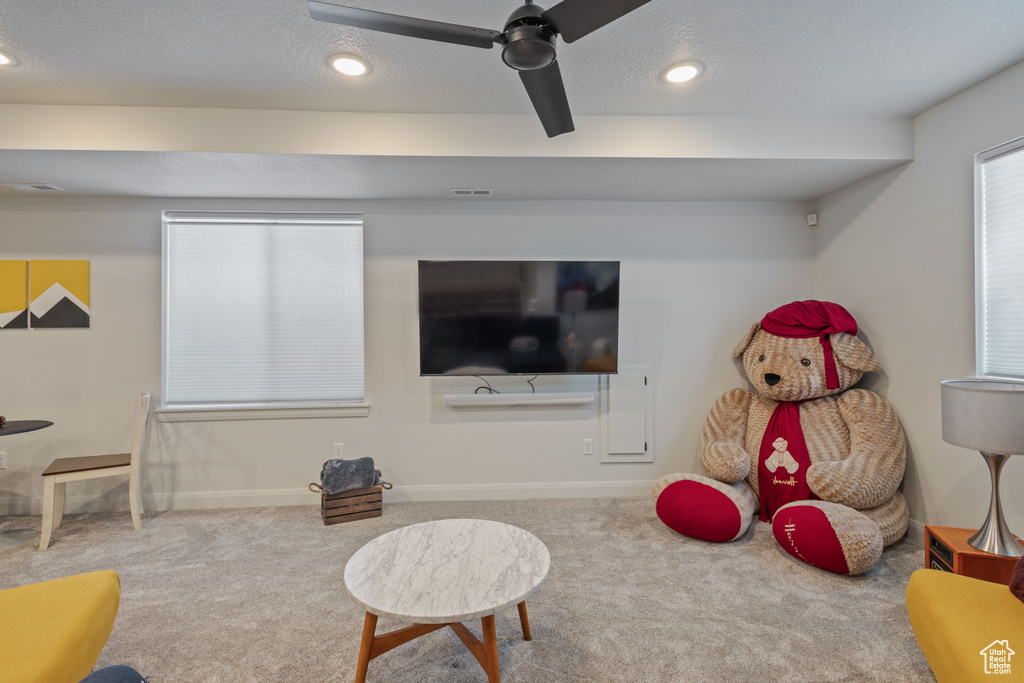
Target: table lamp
(987,416)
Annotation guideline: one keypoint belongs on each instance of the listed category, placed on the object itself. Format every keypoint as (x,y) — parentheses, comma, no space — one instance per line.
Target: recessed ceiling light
(6,60)
(680,73)
(349,65)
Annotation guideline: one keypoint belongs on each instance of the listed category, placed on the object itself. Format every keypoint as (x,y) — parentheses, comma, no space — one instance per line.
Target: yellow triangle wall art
(59,293)
(13,295)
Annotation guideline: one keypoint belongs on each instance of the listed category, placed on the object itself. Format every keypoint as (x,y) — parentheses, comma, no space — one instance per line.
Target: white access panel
(629,416)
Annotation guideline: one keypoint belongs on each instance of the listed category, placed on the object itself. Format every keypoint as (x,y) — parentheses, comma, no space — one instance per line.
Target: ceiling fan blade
(544,86)
(403,26)
(576,18)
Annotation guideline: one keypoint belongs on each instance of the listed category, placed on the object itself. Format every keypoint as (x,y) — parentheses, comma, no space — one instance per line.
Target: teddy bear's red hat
(812,319)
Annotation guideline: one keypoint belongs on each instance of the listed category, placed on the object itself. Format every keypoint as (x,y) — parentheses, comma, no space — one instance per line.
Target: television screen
(518,317)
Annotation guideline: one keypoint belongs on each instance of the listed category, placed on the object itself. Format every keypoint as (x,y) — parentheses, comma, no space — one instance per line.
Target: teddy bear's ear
(738,351)
(853,353)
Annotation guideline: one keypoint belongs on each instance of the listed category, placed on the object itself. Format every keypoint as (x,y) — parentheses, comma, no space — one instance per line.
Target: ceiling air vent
(33,187)
(471,192)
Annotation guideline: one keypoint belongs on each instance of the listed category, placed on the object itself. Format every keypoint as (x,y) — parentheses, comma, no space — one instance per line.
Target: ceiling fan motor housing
(529,42)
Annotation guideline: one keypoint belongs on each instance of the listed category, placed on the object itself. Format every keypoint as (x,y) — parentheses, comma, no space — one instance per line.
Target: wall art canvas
(59,293)
(13,295)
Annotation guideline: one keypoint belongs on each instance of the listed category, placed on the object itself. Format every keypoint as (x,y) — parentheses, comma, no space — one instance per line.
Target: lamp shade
(984,415)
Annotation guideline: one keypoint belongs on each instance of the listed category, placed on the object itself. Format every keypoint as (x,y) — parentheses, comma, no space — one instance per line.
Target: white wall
(899,250)
(695,275)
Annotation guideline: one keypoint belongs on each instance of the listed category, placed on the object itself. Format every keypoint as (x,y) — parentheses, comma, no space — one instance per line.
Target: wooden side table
(946,548)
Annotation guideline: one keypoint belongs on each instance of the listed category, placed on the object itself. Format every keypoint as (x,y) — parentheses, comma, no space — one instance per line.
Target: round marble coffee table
(442,573)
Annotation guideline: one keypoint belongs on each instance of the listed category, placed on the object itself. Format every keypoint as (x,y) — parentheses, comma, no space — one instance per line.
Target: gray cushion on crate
(345,475)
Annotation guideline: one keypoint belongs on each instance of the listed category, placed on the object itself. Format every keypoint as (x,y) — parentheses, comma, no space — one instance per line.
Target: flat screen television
(518,317)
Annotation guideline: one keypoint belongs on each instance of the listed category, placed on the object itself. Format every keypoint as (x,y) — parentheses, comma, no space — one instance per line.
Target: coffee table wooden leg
(524,619)
(366,646)
(486,652)
(373,646)
(490,662)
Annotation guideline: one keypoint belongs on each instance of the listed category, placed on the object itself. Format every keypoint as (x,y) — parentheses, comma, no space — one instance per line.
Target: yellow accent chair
(53,632)
(955,618)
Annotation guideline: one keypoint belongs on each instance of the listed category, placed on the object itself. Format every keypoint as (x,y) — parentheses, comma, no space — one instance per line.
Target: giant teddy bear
(819,460)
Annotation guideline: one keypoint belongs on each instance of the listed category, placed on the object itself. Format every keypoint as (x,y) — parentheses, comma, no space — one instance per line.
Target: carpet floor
(257,595)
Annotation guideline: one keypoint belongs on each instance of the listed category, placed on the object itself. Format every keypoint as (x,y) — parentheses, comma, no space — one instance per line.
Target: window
(999,253)
(262,310)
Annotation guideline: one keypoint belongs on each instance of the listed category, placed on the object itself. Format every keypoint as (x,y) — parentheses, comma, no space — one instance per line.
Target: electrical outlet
(588,446)
(339,450)
(3,461)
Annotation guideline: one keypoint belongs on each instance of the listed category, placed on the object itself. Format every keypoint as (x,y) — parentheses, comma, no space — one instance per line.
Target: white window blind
(262,308)
(1000,260)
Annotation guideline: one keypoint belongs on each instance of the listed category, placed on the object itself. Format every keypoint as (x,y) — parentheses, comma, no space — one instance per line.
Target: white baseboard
(564,489)
(915,532)
(201,500)
(204,500)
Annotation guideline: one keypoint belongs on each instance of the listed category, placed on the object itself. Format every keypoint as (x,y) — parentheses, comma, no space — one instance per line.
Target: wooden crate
(348,506)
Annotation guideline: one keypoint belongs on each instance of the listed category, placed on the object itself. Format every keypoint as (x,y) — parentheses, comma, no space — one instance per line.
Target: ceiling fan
(528,42)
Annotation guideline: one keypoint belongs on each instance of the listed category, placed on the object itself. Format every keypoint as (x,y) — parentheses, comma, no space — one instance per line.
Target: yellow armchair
(53,632)
(966,627)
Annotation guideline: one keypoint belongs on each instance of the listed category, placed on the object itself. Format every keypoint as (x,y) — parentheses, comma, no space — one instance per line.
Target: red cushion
(804,532)
(1017,580)
(699,511)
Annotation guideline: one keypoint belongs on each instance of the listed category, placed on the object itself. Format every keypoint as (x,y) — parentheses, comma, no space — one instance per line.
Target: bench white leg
(48,491)
(58,504)
(135,503)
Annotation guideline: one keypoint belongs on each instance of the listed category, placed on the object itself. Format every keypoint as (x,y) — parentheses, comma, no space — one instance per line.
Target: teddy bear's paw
(703,508)
(725,462)
(828,536)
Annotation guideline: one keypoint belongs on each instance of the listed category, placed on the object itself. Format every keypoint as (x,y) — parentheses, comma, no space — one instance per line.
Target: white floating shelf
(487,400)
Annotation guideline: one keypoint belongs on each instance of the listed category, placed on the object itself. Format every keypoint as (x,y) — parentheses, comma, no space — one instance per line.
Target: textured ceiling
(793,58)
(777,57)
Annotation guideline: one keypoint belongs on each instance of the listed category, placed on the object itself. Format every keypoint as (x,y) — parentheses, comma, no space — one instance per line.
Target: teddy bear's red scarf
(789,480)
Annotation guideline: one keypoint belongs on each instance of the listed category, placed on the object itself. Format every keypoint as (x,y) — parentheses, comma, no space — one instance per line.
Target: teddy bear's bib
(783,460)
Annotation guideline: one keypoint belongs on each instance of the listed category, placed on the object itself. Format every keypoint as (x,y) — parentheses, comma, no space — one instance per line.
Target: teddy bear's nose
(772,379)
